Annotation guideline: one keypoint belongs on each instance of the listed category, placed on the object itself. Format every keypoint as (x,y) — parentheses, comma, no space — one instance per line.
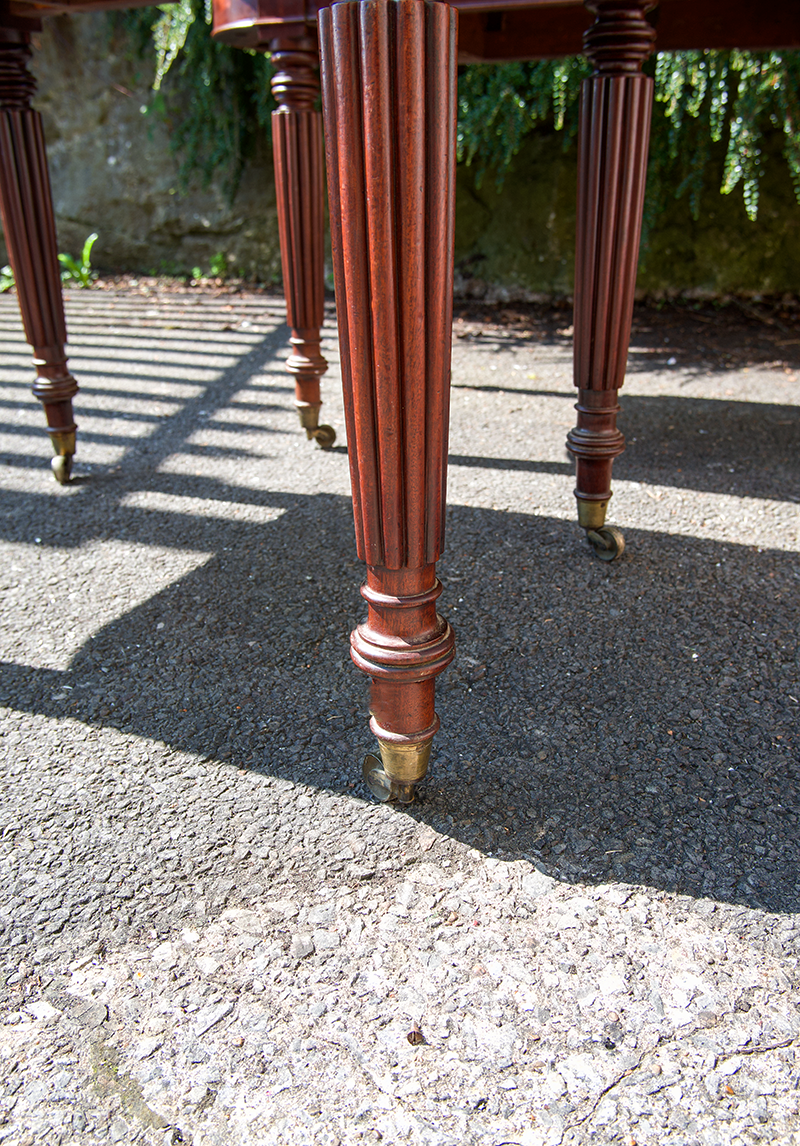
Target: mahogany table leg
(297,147)
(388,77)
(612,166)
(29,226)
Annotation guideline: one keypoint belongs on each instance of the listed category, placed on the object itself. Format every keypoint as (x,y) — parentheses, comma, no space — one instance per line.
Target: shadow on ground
(636,721)
(708,337)
(692,443)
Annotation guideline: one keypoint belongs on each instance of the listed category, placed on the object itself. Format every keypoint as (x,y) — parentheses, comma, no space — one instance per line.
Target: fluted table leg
(388,77)
(29,226)
(298,154)
(612,166)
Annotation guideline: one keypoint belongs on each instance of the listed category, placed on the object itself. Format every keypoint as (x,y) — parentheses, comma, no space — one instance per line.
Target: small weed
(219,265)
(80,271)
(74,271)
(218,268)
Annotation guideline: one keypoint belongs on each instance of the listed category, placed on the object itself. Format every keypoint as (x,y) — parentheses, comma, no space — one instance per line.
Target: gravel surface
(586,931)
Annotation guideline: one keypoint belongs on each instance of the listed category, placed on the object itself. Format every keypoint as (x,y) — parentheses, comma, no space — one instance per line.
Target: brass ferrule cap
(308,412)
(592,514)
(63,442)
(405,763)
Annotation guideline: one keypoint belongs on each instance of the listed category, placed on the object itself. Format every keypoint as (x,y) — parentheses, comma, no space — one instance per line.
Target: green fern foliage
(703,97)
(216,101)
(499,104)
(732,96)
(79,271)
(217,104)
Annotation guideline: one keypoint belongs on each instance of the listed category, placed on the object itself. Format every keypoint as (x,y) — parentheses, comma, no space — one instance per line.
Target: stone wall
(112,172)
(519,241)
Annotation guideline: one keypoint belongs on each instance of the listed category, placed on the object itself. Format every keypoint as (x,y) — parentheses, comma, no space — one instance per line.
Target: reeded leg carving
(613,140)
(30,233)
(297,146)
(388,73)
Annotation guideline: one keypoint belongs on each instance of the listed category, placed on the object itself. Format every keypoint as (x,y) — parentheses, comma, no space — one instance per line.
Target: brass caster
(324,436)
(608,543)
(383,788)
(61,466)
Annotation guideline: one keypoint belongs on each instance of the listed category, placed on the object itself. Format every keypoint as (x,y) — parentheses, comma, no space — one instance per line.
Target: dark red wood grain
(29,228)
(299,185)
(497,30)
(612,167)
(388,69)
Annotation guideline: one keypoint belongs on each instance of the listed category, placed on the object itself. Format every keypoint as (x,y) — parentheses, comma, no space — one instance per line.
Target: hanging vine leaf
(169,35)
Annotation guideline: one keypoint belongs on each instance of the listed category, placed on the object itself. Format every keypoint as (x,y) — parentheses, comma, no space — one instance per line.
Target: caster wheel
(61,466)
(382,787)
(608,543)
(325,436)
(376,779)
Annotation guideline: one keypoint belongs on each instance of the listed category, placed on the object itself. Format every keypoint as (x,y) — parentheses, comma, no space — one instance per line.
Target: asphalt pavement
(588,928)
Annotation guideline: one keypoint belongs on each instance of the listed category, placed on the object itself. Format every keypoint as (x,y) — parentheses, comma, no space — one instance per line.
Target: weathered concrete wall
(520,241)
(112,172)
(723,252)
